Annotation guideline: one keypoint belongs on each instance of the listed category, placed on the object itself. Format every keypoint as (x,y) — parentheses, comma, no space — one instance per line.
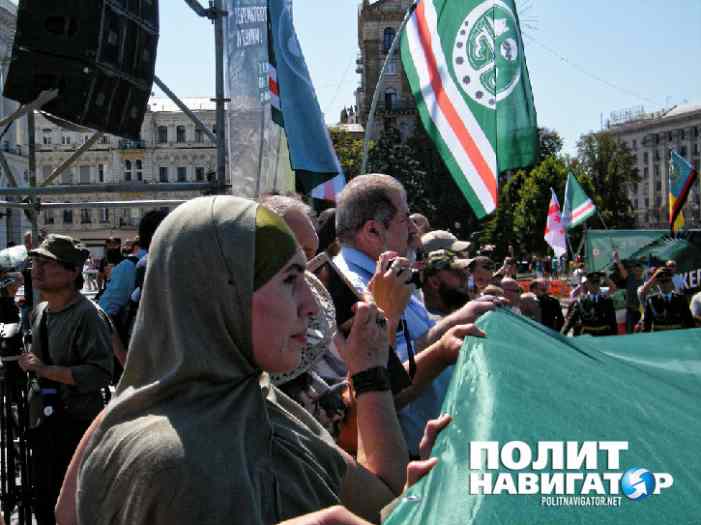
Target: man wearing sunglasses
(667,310)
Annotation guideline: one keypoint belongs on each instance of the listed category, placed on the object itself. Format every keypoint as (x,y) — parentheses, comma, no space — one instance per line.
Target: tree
(349,149)
(610,166)
(531,210)
(499,230)
(550,144)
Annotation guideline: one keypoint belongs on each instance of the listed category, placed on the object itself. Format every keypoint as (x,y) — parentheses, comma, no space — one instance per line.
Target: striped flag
(330,189)
(578,207)
(465,63)
(273,85)
(682,177)
(554,229)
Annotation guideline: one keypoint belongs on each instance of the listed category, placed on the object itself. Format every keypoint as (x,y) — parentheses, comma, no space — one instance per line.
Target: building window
(391,68)
(695,132)
(635,144)
(104,215)
(65,139)
(127,170)
(182,174)
(646,157)
(683,151)
(85,216)
(139,170)
(84,174)
(199,135)
(657,170)
(657,155)
(47,140)
(180,134)
(199,174)
(669,136)
(387,39)
(105,139)
(67,176)
(100,173)
(696,149)
(390,99)
(647,202)
(646,172)
(162,135)
(48,216)
(68,216)
(134,216)
(163,174)
(658,185)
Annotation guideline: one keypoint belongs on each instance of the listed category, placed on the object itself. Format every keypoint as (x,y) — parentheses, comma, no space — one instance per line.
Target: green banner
(652,247)
(524,385)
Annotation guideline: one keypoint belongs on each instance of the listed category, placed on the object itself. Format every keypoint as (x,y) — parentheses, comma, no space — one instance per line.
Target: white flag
(554,229)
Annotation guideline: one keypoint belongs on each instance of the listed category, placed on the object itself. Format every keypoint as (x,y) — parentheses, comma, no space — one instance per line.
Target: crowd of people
(250,391)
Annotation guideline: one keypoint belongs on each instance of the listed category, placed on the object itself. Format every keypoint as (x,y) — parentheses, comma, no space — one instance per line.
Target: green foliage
(550,143)
(530,214)
(349,149)
(610,167)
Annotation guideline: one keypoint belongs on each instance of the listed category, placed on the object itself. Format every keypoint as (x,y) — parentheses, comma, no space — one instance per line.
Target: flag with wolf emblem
(465,63)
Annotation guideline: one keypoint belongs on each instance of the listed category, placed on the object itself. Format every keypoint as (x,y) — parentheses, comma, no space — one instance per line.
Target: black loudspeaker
(99,54)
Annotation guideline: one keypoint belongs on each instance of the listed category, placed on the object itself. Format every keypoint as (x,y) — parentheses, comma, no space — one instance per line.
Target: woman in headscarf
(197,434)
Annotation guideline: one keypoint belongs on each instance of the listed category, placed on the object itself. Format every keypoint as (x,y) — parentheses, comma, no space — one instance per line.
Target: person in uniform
(668,310)
(593,313)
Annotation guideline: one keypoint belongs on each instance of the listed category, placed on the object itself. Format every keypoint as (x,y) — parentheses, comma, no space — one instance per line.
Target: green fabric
(523,382)
(196,435)
(600,245)
(275,246)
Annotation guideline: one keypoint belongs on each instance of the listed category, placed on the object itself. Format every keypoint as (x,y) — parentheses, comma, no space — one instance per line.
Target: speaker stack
(99,54)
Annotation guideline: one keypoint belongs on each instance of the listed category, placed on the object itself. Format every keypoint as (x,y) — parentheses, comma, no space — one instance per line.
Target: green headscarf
(196,435)
(275,246)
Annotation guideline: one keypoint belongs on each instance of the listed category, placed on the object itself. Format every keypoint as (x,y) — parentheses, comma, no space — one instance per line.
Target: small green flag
(578,207)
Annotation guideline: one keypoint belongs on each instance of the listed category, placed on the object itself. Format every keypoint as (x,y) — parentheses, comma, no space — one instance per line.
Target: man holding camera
(373,220)
(71,359)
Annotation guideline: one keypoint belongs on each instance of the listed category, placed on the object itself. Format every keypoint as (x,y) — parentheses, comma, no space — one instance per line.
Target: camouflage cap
(444,260)
(443,240)
(63,249)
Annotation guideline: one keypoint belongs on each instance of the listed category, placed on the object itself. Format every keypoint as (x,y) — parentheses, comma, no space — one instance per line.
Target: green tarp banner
(524,383)
(654,247)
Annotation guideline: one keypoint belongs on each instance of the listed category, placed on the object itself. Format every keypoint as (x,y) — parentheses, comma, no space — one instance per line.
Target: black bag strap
(44,338)
(409,349)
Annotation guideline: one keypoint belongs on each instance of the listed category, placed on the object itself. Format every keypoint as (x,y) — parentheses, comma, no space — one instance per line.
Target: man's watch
(371,380)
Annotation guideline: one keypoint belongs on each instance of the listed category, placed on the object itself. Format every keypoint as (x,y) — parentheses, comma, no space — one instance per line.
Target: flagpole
(380,84)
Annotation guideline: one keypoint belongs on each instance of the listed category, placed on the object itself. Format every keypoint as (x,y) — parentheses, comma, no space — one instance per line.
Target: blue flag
(312,155)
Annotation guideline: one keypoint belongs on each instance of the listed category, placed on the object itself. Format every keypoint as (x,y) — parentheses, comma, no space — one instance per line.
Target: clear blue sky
(648,49)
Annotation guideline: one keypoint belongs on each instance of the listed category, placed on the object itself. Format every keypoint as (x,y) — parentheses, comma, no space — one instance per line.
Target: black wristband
(371,380)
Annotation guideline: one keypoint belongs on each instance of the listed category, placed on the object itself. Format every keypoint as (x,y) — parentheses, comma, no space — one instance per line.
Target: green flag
(550,429)
(466,66)
(578,207)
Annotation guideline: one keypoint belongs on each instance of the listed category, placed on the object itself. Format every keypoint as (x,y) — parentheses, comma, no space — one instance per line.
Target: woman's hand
(389,287)
(367,345)
(416,470)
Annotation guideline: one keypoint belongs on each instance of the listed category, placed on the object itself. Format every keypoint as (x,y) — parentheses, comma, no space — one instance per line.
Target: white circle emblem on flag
(487,54)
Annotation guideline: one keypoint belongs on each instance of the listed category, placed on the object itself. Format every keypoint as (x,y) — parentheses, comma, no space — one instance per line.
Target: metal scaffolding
(30,196)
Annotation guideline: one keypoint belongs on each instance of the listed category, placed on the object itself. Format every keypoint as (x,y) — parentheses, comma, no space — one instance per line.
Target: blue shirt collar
(357,258)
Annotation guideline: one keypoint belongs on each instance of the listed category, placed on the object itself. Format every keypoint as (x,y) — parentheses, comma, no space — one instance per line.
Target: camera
(417,278)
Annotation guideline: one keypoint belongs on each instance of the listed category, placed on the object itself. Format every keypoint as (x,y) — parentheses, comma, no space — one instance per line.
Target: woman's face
(280,316)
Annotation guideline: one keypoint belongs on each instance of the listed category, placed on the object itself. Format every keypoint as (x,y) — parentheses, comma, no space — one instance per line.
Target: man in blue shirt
(372,218)
(123,279)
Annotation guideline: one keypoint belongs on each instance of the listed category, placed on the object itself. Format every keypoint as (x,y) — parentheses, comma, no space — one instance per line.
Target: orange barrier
(558,287)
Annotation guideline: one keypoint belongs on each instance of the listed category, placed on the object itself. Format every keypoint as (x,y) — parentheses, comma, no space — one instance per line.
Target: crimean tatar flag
(682,177)
(465,63)
(554,229)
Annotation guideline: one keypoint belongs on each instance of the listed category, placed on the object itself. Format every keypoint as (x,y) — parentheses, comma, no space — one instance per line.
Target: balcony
(386,107)
(131,144)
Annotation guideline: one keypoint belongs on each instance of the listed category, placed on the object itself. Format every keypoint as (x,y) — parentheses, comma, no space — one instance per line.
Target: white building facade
(171,150)
(651,139)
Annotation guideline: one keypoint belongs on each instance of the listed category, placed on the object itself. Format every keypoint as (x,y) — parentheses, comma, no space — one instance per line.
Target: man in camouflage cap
(443,240)
(71,359)
(444,282)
